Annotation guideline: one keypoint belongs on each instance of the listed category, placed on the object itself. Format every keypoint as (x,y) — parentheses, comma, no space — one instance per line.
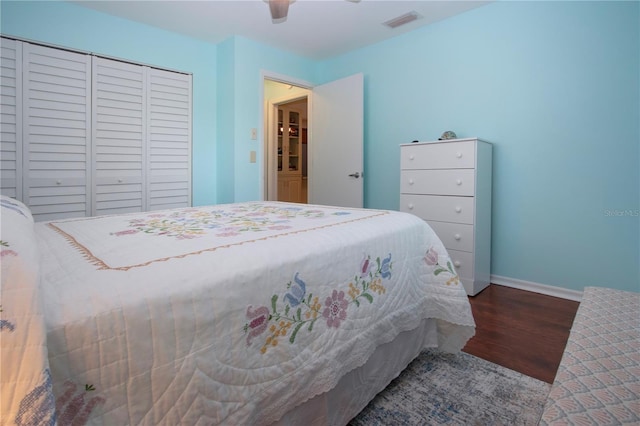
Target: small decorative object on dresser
(448,184)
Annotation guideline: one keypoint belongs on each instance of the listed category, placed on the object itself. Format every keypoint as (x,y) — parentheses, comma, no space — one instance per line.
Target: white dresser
(448,184)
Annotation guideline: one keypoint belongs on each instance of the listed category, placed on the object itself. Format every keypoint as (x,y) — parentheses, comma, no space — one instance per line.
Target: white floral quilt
(230,314)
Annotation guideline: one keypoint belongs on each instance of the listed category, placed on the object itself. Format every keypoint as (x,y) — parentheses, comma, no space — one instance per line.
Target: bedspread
(232,314)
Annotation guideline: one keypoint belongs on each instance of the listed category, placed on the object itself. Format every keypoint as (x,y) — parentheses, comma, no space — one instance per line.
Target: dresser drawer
(439,207)
(433,155)
(454,236)
(438,182)
(462,263)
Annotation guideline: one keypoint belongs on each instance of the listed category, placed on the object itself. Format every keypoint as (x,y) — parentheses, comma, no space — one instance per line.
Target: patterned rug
(456,389)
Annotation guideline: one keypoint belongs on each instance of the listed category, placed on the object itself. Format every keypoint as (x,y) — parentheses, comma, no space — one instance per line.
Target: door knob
(355,175)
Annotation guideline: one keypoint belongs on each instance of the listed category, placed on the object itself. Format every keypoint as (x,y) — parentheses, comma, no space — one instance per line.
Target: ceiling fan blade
(279,10)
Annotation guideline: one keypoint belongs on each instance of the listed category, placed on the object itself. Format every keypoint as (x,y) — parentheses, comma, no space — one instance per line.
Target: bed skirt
(358,387)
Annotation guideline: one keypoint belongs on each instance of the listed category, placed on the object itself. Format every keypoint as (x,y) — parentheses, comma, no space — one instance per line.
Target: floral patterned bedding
(228,314)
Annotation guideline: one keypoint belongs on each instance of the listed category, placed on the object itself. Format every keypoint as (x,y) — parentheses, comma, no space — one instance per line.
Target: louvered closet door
(119,137)
(169,140)
(10,118)
(56,132)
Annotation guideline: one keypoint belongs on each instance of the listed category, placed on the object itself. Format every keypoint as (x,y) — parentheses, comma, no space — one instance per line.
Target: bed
(250,313)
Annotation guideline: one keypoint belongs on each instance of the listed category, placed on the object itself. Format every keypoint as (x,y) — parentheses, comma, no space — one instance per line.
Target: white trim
(549,290)
(285,79)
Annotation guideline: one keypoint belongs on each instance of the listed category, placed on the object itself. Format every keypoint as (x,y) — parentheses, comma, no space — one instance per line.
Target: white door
(168,139)
(336,143)
(118,150)
(11,118)
(56,132)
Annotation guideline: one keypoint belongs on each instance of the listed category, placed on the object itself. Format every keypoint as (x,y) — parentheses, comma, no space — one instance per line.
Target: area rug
(456,389)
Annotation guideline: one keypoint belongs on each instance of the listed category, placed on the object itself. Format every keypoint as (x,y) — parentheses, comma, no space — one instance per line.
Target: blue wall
(226,119)
(554,85)
(250,59)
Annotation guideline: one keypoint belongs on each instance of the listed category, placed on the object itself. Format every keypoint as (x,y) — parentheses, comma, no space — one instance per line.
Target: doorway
(286,142)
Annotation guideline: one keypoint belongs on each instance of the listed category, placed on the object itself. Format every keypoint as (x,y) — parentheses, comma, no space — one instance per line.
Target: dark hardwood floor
(523,331)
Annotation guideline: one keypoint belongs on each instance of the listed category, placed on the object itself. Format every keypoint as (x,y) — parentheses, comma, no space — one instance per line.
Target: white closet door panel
(59,160)
(169,140)
(120,196)
(119,99)
(49,148)
(56,132)
(70,107)
(10,118)
(50,202)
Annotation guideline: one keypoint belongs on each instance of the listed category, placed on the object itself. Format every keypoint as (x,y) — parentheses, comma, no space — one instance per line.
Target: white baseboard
(549,290)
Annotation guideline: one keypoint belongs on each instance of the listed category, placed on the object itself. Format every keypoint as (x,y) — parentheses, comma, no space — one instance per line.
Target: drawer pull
(58,182)
(120,180)
(457,237)
(458,209)
(459,154)
(411,182)
(459,182)
(410,206)
(456,263)
(412,157)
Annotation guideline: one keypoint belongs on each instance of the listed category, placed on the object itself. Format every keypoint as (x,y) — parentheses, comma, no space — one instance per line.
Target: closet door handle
(355,175)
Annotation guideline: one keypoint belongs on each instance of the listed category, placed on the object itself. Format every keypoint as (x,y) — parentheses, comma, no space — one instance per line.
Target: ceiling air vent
(402,19)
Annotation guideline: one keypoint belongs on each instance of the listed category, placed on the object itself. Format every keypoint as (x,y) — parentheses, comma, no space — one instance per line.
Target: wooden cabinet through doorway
(289,146)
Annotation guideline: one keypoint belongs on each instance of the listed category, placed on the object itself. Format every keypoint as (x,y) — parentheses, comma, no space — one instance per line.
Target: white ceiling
(317,29)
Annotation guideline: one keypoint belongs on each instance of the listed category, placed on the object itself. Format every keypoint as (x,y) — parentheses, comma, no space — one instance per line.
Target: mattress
(228,314)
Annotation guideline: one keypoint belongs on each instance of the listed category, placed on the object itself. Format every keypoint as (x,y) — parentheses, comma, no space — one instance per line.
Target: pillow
(27,392)
(11,204)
